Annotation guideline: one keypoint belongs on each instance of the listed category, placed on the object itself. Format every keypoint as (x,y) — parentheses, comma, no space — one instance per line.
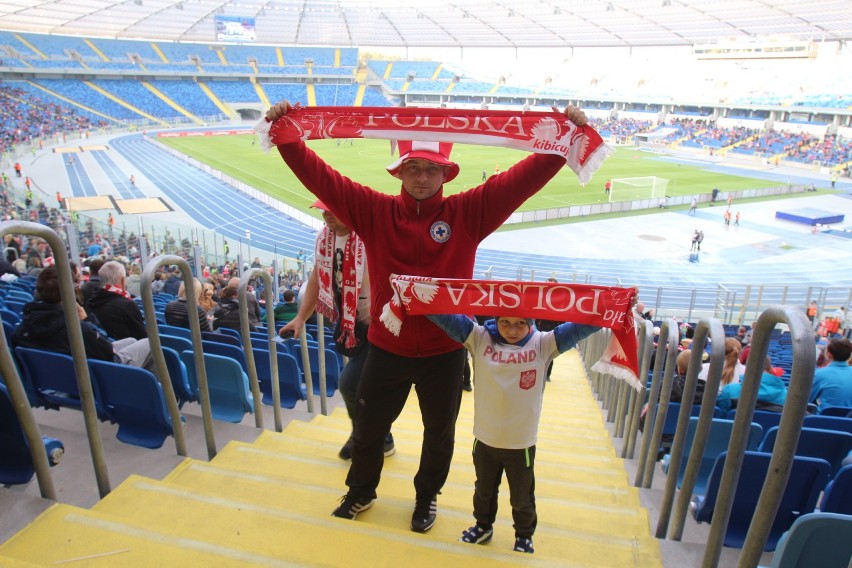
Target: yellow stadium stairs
(268,503)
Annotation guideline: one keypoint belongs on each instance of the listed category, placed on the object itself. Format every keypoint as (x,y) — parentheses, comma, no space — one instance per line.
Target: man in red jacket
(418,232)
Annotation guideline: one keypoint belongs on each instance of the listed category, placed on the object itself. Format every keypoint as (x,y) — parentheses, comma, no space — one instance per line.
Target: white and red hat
(320,205)
(435,152)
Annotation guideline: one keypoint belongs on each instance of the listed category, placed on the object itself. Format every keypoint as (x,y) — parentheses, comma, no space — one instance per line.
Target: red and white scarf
(603,306)
(117,290)
(353,275)
(539,132)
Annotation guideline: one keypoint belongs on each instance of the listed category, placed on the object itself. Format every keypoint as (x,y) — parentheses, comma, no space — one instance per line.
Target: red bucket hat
(435,152)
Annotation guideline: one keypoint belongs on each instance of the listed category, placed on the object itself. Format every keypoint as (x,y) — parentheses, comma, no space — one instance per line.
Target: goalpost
(629,189)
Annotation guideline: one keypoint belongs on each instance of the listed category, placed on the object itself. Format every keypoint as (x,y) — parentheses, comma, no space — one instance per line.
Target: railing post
(75,337)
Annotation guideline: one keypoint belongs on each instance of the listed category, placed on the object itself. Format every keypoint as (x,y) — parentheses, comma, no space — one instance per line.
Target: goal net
(629,189)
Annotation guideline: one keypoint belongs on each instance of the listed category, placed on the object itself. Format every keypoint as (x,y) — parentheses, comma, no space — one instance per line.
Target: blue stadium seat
(134,400)
(808,477)
(816,539)
(829,445)
(230,397)
(16,466)
(290,380)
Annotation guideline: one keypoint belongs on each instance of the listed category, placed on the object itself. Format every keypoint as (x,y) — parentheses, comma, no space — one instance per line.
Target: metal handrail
(78,349)
(795,407)
(147,294)
(245,333)
(157,351)
(645,344)
(711,327)
(661,388)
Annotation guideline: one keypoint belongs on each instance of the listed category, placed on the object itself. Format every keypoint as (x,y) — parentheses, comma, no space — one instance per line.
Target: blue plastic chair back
(808,477)
(232,333)
(717,442)
(823,422)
(54,380)
(765,418)
(175,331)
(179,377)
(230,398)
(179,344)
(221,338)
(836,411)
(16,305)
(16,466)
(838,493)
(226,350)
(290,379)
(332,370)
(134,400)
(10,316)
(816,539)
(829,445)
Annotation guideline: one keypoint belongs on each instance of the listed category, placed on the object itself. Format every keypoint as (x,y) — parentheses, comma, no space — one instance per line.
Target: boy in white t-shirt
(510,359)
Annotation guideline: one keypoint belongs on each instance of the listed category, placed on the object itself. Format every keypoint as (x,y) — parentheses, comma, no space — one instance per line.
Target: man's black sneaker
(345,452)
(351,505)
(466,386)
(425,512)
(389,448)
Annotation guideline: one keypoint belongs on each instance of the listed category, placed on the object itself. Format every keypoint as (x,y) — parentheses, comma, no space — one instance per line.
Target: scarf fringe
(619,372)
(262,130)
(390,319)
(594,162)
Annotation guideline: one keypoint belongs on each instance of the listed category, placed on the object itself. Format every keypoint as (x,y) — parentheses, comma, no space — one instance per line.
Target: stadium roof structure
(440,23)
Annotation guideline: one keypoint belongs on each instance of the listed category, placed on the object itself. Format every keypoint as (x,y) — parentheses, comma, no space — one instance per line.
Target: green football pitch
(365,161)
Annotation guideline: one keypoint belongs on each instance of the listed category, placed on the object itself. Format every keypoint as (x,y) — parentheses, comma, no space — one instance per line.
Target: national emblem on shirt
(440,231)
(527,379)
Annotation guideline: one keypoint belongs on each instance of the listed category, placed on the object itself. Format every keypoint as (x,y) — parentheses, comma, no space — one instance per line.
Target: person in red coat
(422,232)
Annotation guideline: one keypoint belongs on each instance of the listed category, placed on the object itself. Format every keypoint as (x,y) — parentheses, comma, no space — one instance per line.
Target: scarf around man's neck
(532,131)
(117,290)
(353,275)
(604,306)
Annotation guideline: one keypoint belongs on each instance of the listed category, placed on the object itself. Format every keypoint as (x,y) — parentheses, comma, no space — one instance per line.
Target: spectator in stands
(177,311)
(771,394)
(832,384)
(422,355)
(328,293)
(43,327)
(507,413)
(227,314)
(732,370)
(173,281)
(116,311)
(285,310)
(158,283)
(134,281)
(7,268)
(253,305)
(94,281)
(813,309)
(206,301)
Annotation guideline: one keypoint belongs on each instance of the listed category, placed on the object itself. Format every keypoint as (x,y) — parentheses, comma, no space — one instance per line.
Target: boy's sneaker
(425,512)
(351,505)
(389,448)
(345,452)
(477,534)
(523,545)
